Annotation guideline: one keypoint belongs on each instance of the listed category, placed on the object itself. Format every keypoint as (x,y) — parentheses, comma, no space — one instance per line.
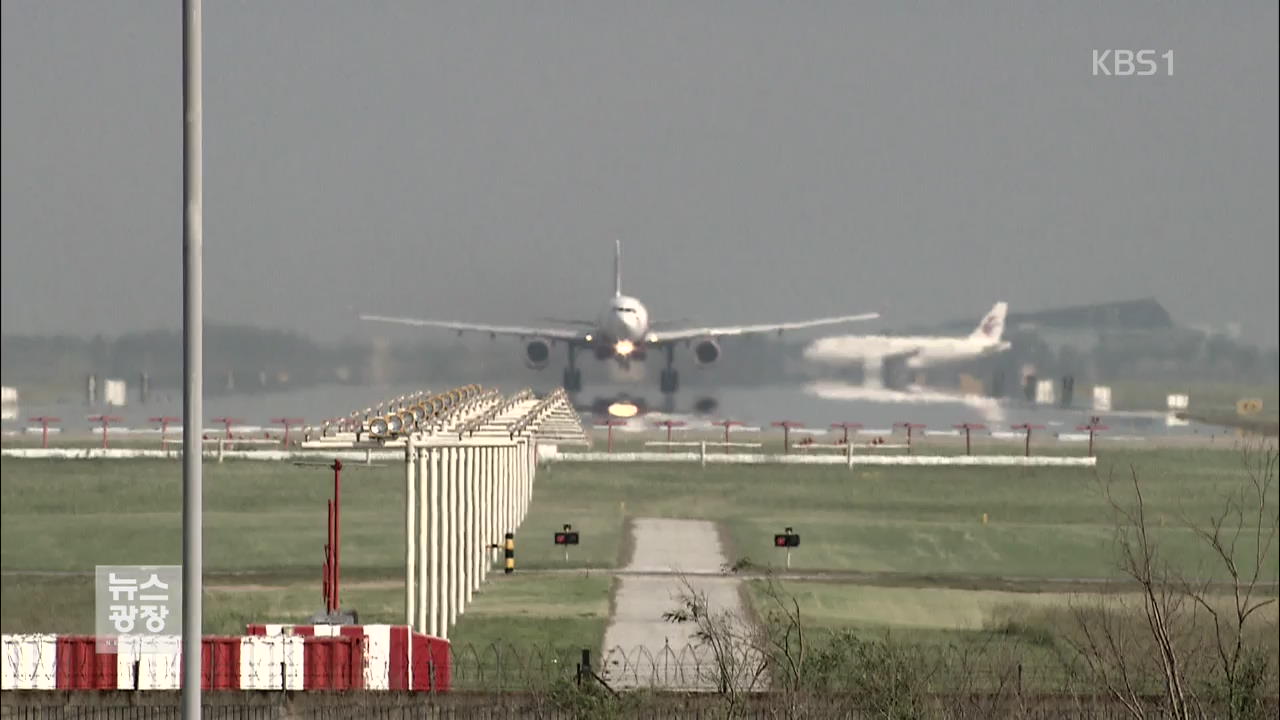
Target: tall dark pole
(192,356)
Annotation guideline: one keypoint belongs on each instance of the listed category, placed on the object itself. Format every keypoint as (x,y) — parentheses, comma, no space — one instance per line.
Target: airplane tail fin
(617,268)
(992,326)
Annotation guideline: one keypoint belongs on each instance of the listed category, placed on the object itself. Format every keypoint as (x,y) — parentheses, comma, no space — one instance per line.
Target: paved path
(642,649)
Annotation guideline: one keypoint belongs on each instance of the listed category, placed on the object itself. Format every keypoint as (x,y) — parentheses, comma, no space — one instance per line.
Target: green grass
(265,522)
(537,610)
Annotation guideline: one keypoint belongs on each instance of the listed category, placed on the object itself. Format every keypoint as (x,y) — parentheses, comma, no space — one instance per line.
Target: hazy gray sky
(760,160)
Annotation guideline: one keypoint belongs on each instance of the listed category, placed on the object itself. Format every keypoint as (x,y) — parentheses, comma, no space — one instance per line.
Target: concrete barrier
(712,458)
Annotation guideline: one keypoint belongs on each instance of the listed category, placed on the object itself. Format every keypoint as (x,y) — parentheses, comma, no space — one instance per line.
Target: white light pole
(192,356)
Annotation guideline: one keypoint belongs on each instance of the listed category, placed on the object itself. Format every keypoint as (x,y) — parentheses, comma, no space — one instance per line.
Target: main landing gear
(669,380)
(572,375)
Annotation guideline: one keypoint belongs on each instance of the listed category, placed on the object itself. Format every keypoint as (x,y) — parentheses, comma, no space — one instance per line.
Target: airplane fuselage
(920,352)
(624,324)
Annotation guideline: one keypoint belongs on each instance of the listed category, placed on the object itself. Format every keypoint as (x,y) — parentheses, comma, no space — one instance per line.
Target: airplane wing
(667,336)
(568,321)
(549,333)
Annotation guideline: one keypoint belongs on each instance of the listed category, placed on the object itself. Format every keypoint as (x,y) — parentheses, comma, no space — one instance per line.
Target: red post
(1028,427)
(967,427)
(287,422)
(611,424)
(337,528)
(727,424)
(909,426)
(44,428)
(164,429)
(668,424)
(227,422)
(786,426)
(1093,427)
(326,580)
(106,421)
(845,426)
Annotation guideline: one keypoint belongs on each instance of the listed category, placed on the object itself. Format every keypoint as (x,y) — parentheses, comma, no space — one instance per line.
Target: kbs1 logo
(1128,63)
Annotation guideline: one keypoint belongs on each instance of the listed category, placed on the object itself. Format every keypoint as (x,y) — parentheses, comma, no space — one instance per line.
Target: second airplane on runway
(914,352)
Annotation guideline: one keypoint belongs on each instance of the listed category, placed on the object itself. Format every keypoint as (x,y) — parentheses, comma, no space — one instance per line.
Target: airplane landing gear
(669,380)
(572,380)
(572,375)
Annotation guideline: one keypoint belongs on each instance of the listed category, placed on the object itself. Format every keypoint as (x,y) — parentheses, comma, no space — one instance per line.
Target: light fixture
(623,409)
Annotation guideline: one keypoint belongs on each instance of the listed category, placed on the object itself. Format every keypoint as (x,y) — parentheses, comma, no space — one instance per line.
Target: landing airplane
(915,352)
(623,332)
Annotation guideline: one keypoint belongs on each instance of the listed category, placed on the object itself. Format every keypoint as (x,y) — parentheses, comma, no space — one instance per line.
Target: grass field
(1206,398)
(265,527)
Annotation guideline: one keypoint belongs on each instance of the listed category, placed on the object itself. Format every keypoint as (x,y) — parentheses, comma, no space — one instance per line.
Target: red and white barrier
(270,657)
(396,657)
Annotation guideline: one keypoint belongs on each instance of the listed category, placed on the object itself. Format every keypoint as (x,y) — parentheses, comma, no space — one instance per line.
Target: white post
(493,535)
(481,503)
(517,499)
(430,545)
(496,511)
(410,534)
(526,477)
(524,482)
(468,530)
(482,557)
(449,476)
(504,494)
(702,452)
(848,453)
(457,506)
(477,519)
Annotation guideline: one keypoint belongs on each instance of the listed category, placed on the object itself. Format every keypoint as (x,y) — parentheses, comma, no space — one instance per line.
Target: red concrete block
(80,667)
(333,663)
(431,663)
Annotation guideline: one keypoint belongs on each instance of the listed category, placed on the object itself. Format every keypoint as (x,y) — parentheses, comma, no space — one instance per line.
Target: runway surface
(671,559)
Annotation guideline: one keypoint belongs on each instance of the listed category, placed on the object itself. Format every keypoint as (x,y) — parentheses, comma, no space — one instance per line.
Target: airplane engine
(706,351)
(537,354)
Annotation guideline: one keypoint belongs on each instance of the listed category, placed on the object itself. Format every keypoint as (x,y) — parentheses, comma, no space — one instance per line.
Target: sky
(759,161)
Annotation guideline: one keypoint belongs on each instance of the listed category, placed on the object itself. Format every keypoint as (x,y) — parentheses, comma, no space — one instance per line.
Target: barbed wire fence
(503,666)
(507,680)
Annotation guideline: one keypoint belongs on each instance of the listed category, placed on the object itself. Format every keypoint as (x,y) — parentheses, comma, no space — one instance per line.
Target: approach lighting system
(623,409)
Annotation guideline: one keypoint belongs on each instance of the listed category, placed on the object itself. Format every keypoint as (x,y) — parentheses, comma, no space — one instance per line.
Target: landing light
(624,347)
(623,409)
(589,337)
